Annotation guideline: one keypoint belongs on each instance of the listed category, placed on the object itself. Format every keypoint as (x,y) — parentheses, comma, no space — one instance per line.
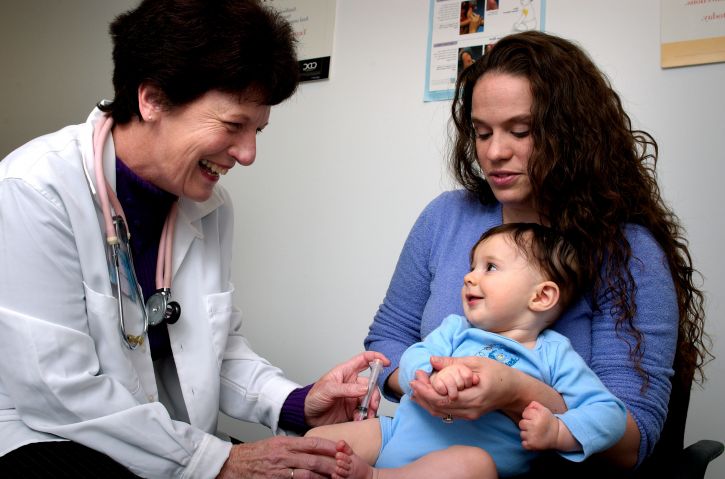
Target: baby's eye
(491,267)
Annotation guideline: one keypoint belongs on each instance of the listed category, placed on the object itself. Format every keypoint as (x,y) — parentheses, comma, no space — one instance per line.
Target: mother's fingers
(474,363)
(464,406)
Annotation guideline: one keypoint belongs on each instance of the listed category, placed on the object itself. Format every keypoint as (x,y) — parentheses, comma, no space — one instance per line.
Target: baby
(522,277)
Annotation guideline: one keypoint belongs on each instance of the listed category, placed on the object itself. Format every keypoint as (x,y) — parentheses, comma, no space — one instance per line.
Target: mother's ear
(545,297)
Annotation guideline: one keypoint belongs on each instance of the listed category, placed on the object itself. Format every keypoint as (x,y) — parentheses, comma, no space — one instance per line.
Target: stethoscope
(159,307)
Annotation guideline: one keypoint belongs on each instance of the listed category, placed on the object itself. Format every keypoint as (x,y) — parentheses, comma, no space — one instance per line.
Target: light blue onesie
(595,417)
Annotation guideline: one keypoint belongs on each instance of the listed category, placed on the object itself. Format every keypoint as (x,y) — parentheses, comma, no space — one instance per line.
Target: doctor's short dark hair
(188,47)
(547,250)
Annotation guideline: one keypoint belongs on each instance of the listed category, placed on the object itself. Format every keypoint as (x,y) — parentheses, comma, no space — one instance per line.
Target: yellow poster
(692,32)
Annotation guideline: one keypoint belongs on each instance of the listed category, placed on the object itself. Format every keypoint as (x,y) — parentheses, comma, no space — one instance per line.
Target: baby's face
(497,290)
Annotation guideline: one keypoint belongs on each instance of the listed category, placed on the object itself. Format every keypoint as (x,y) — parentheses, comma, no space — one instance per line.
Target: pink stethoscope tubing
(108,200)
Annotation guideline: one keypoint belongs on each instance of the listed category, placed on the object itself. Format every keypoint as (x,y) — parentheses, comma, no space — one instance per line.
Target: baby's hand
(539,428)
(451,379)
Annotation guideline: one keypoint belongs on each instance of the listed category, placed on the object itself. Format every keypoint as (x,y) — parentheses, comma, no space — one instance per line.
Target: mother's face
(501,116)
(194,144)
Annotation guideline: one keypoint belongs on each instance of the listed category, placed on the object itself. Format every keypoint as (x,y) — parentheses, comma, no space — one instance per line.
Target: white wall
(347,164)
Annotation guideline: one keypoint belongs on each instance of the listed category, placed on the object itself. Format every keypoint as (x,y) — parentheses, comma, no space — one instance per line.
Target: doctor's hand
(336,395)
(282,457)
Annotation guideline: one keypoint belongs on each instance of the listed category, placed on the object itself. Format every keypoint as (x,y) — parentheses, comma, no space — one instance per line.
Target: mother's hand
(500,387)
(336,395)
(277,457)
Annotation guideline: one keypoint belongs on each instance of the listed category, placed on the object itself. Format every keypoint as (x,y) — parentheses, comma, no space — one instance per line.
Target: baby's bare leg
(456,462)
(364,437)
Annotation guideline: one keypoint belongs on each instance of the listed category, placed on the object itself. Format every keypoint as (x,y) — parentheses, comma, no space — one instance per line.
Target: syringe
(376,366)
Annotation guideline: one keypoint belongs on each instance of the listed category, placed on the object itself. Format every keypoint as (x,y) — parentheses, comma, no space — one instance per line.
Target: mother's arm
(397,323)
(508,389)
(656,318)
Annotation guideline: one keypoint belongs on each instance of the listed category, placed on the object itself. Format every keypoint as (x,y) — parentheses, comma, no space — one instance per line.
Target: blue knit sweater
(426,286)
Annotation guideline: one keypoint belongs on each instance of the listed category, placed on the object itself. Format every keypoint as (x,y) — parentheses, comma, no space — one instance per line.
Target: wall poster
(460,31)
(692,32)
(313,22)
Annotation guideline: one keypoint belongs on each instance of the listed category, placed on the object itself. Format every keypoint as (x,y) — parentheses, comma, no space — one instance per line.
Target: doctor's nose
(244,150)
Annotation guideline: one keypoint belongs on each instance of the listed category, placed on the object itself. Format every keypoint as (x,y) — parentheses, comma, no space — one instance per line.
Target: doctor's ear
(151,101)
(545,297)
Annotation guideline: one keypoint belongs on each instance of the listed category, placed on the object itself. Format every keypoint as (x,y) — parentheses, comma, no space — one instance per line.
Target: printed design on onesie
(499,353)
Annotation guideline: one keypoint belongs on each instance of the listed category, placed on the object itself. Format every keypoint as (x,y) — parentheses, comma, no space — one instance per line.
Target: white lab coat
(65,372)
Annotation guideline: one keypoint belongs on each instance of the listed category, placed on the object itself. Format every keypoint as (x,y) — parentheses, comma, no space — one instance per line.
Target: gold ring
(448,419)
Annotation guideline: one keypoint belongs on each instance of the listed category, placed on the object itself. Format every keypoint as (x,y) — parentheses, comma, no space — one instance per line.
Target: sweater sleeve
(292,415)
(397,322)
(657,320)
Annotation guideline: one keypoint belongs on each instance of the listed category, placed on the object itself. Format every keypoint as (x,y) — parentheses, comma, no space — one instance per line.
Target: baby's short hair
(549,251)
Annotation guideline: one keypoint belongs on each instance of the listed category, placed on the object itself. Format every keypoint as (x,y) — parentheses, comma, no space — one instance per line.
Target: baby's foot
(350,465)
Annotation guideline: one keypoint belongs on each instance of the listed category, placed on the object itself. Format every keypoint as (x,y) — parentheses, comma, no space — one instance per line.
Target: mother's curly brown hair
(591,174)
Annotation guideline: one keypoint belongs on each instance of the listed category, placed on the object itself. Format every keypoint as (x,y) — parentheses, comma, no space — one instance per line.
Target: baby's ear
(545,297)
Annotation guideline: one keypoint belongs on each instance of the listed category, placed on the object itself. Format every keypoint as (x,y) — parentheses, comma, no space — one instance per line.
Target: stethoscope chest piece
(161,309)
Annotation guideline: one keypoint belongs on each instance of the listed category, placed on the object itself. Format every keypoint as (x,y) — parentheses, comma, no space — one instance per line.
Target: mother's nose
(498,148)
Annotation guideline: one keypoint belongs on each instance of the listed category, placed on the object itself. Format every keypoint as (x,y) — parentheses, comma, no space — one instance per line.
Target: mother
(542,137)
(85,395)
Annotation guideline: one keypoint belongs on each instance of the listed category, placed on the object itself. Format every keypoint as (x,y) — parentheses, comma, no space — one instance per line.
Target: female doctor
(117,353)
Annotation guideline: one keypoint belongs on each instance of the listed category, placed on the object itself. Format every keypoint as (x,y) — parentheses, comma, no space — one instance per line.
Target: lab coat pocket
(104,328)
(223,319)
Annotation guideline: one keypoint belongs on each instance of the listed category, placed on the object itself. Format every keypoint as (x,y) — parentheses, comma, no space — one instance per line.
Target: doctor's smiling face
(190,146)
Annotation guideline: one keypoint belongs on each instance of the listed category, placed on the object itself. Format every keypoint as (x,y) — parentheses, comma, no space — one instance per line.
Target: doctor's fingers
(313,454)
(278,456)
(357,364)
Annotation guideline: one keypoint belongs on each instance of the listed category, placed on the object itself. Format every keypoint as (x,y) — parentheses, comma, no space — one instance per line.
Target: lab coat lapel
(188,226)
